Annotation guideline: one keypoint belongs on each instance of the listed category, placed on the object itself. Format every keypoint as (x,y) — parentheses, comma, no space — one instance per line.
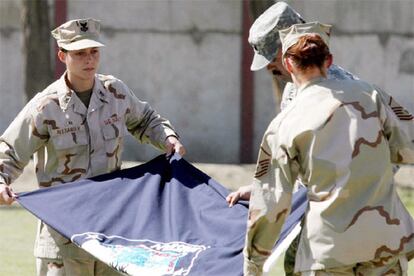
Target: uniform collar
(311,82)
(67,96)
(64,92)
(98,97)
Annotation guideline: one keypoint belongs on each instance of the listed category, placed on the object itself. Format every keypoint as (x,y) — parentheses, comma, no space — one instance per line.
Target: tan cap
(78,34)
(291,35)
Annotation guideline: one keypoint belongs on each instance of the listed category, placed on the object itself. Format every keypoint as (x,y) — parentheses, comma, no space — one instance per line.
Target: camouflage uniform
(345,200)
(289,93)
(70,141)
(337,73)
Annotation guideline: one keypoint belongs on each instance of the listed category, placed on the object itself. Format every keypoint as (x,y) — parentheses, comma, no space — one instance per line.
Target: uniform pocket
(113,136)
(71,150)
(66,140)
(113,131)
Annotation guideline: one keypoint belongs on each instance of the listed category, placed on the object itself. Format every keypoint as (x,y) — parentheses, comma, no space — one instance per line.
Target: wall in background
(184,58)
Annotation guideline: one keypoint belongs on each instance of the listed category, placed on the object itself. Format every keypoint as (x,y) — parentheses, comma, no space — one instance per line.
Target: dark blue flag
(164,217)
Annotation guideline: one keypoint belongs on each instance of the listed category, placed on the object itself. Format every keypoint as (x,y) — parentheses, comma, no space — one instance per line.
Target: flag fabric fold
(164,217)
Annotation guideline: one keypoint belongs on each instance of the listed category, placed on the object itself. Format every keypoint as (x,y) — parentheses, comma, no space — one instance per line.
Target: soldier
(265,41)
(340,139)
(75,128)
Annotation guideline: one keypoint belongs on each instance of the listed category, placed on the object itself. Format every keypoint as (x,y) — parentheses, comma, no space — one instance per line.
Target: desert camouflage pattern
(70,141)
(335,72)
(341,140)
(338,73)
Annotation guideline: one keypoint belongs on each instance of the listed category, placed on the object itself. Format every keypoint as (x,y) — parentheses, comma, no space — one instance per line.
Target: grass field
(17,233)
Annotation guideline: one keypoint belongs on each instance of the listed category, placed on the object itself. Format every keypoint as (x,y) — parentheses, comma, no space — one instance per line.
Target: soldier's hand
(172,144)
(6,195)
(243,193)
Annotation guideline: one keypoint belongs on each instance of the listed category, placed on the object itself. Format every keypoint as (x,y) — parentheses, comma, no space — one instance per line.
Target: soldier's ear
(329,61)
(287,63)
(62,56)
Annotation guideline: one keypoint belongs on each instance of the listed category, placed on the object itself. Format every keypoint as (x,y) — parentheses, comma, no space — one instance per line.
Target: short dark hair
(63,50)
(310,50)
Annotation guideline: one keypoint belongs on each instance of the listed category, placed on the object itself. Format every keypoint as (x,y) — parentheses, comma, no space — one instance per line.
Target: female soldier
(341,140)
(75,128)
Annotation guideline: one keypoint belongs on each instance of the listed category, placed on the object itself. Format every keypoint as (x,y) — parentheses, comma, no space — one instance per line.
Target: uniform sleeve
(269,204)
(25,135)
(145,124)
(398,125)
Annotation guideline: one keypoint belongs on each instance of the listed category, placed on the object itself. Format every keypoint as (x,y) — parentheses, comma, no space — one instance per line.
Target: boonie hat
(291,35)
(264,36)
(78,34)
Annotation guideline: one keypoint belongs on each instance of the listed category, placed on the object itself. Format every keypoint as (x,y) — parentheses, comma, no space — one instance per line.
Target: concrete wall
(184,58)
(12,97)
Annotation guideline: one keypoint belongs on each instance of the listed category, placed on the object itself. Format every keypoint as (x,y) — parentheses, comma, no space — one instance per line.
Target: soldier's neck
(79,84)
(303,78)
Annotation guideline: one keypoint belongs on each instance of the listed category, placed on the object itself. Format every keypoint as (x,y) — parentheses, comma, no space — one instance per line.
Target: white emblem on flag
(140,257)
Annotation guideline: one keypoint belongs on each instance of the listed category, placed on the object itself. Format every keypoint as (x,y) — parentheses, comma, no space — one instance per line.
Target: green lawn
(17,233)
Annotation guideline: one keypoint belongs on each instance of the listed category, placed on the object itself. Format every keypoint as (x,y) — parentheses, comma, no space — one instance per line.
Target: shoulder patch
(400,111)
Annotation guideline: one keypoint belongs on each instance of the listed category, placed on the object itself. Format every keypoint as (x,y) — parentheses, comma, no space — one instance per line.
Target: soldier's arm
(269,206)
(404,118)
(398,127)
(242,193)
(24,136)
(145,124)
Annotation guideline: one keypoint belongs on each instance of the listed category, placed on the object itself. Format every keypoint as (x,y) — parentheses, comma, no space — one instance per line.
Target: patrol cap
(78,34)
(291,35)
(264,36)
